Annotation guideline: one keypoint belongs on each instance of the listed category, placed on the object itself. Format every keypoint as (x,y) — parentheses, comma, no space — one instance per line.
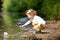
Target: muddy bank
(52,32)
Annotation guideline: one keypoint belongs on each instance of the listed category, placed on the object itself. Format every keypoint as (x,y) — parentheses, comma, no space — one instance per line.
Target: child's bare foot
(40,32)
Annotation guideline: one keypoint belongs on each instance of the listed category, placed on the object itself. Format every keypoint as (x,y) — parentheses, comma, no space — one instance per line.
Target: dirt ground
(51,32)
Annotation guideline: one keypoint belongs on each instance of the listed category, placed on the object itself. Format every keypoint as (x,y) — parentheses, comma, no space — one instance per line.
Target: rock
(22,20)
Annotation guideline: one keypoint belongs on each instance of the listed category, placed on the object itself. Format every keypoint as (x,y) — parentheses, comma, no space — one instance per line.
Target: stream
(20,34)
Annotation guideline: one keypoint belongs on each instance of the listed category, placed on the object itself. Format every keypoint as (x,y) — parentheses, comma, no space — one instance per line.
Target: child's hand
(21,26)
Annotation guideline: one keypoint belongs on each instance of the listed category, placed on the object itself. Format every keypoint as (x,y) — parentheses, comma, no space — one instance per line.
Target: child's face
(30,15)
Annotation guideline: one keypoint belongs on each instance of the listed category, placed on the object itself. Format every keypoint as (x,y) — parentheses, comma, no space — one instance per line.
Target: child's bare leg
(36,32)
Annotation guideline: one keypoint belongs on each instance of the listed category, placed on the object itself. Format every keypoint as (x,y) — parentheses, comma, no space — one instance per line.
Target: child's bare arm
(28,22)
(36,26)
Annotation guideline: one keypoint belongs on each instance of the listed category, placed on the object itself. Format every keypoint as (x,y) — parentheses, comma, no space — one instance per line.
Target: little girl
(37,22)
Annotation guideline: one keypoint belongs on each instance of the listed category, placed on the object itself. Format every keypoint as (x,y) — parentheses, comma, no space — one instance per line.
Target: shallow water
(16,33)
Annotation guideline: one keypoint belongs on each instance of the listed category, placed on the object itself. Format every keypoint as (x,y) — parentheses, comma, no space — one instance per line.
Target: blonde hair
(31,10)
